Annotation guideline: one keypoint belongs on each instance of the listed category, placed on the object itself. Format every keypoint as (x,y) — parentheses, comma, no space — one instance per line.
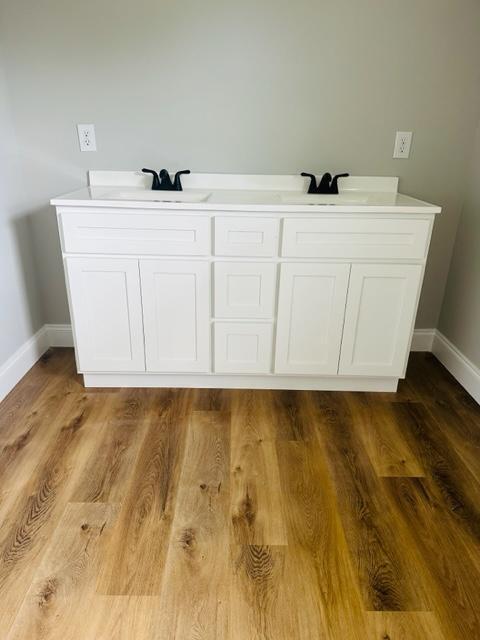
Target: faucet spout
(165,181)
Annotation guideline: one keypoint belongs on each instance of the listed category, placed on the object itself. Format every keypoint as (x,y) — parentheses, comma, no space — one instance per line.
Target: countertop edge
(278,208)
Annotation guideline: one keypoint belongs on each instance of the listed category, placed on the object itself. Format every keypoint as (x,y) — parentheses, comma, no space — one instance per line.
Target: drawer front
(243,347)
(136,233)
(236,236)
(245,289)
(350,238)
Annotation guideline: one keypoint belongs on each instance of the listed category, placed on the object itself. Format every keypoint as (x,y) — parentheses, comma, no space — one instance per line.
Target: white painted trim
(422,340)
(461,368)
(59,335)
(225,381)
(13,370)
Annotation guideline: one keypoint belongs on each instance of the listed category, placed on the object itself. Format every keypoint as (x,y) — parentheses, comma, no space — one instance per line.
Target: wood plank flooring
(170,514)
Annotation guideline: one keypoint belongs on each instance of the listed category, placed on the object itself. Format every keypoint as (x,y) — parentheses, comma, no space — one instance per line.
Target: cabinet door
(381,305)
(243,347)
(106,314)
(311,309)
(176,309)
(245,289)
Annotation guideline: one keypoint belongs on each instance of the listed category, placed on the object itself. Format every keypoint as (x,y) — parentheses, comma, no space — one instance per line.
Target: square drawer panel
(351,238)
(245,289)
(243,347)
(136,233)
(246,236)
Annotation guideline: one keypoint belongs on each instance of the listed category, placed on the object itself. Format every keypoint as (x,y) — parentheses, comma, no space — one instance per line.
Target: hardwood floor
(141,514)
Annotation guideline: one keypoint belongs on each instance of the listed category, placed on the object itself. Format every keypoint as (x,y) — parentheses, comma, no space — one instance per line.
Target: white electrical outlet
(86,137)
(403,142)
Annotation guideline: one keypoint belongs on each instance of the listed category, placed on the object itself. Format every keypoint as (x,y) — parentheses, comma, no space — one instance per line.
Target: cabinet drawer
(236,236)
(350,238)
(245,289)
(243,347)
(136,233)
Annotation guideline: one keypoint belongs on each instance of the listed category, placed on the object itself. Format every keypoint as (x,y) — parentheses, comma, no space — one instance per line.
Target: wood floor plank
(257,609)
(123,618)
(107,473)
(31,520)
(454,580)
(195,590)
(48,377)
(59,598)
(287,407)
(387,570)
(382,437)
(455,486)
(462,431)
(140,539)
(256,501)
(398,625)
(317,543)
(212,400)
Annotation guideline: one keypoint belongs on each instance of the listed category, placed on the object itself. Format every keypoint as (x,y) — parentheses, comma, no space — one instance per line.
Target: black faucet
(163,182)
(326,185)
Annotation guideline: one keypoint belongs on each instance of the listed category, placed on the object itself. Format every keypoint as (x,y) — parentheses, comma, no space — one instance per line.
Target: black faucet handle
(155,180)
(334,185)
(312,187)
(177,184)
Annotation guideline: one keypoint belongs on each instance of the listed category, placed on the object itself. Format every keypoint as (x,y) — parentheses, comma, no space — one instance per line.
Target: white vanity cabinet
(289,298)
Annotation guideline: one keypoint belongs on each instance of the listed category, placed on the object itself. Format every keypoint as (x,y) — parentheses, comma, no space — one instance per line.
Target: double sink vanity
(243,281)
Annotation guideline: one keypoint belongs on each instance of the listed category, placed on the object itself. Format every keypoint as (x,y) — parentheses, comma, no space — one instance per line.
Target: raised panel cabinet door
(243,347)
(176,311)
(381,305)
(311,310)
(106,310)
(245,289)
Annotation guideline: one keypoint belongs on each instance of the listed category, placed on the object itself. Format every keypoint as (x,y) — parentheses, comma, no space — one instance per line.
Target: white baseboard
(13,370)
(461,368)
(422,340)
(60,335)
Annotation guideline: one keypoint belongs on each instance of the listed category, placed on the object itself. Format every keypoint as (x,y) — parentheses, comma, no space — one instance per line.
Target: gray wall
(271,86)
(460,317)
(20,312)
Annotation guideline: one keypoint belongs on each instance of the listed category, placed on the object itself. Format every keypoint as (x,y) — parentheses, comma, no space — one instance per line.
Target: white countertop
(234,193)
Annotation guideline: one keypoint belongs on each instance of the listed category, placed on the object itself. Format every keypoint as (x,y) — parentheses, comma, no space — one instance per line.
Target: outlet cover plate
(86,137)
(403,142)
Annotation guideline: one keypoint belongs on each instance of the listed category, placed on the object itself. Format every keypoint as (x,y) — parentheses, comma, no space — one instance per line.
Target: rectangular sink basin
(324,198)
(158,196)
